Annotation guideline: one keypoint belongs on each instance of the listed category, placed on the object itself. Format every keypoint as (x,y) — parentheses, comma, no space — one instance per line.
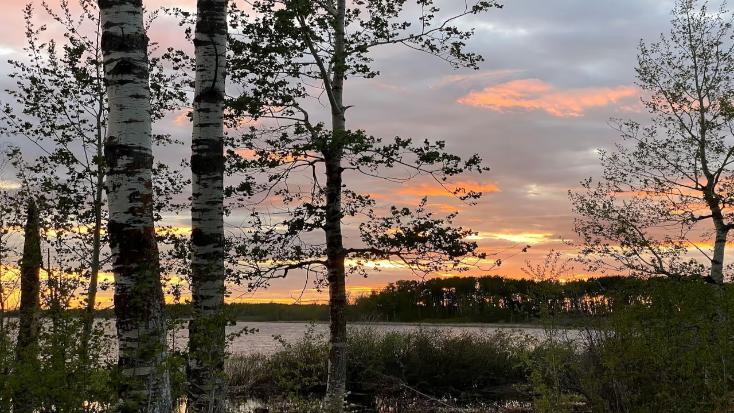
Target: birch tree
(668,190)
(206,381)
(139,303)
(295,49)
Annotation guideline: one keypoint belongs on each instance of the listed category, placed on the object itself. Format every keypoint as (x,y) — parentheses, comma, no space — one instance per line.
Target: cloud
(433,189)
(534,94)
(8,185)
(524,238)
(467,80)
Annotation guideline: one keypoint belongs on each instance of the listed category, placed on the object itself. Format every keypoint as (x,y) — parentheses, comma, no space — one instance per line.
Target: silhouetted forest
(487,299)
(498,299)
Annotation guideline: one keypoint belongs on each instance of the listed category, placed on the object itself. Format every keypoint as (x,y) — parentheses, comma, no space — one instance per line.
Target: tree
(30,306)
(59,107)
(290,51)
(139,303)
(8,285)
(672,189)
(63,101)
(206,384)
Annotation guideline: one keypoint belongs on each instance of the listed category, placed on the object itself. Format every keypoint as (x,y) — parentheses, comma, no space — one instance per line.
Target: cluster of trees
(92,196)
(497,299)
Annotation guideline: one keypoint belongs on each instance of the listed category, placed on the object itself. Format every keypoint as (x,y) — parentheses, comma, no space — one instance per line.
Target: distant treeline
(488,299)
(494,299)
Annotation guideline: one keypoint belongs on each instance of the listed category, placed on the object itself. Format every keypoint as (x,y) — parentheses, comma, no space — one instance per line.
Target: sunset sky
(537,112)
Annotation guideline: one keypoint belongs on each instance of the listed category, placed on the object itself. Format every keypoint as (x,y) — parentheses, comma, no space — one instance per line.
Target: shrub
(670,350)
(434,362)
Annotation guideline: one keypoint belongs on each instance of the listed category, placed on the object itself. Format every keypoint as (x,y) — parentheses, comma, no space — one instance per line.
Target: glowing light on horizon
(523,238)
(8,184)
(433,189)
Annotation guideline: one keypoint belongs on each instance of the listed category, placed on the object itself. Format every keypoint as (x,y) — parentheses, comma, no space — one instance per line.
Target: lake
(262,341)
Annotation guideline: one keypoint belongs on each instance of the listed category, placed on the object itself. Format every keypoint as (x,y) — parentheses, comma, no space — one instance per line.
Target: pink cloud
(534,94)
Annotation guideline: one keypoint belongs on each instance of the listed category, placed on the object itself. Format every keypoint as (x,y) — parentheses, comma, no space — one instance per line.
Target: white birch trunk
(205,372)
(139,305)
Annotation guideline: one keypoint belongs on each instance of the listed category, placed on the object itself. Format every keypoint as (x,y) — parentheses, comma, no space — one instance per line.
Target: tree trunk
(96,239)
(139,305)
(721,228)
(205,370)
(717,262)
(30,284)
(336,276)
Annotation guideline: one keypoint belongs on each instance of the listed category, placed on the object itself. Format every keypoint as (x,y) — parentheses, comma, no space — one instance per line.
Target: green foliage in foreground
(665,347)
(673,354)
(667,351)
(60,379)
(433,361)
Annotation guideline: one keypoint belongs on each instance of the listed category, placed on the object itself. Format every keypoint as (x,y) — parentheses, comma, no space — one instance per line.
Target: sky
(537,111)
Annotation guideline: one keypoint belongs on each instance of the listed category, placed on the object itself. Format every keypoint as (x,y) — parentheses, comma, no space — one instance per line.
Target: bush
(432,362)
(465,366)
(666,347)
(63,377)
(295,369)
(671,350)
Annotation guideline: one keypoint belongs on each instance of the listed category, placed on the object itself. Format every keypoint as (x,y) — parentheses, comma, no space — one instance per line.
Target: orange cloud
(173,230)
(272,300)
(246,153)
(433,189)
(52,233)
(523,238)
(534,94)
(182,119)
(364,288)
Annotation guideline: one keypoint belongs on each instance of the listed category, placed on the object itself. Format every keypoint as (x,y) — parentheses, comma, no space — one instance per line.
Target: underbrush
(425,363)
(668,349)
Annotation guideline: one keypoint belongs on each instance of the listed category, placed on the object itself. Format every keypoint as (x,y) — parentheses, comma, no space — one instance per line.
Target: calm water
(262,341)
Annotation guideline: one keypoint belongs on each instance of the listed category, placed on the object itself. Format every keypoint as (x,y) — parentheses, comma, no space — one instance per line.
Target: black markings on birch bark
(205,370)
(144,383)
